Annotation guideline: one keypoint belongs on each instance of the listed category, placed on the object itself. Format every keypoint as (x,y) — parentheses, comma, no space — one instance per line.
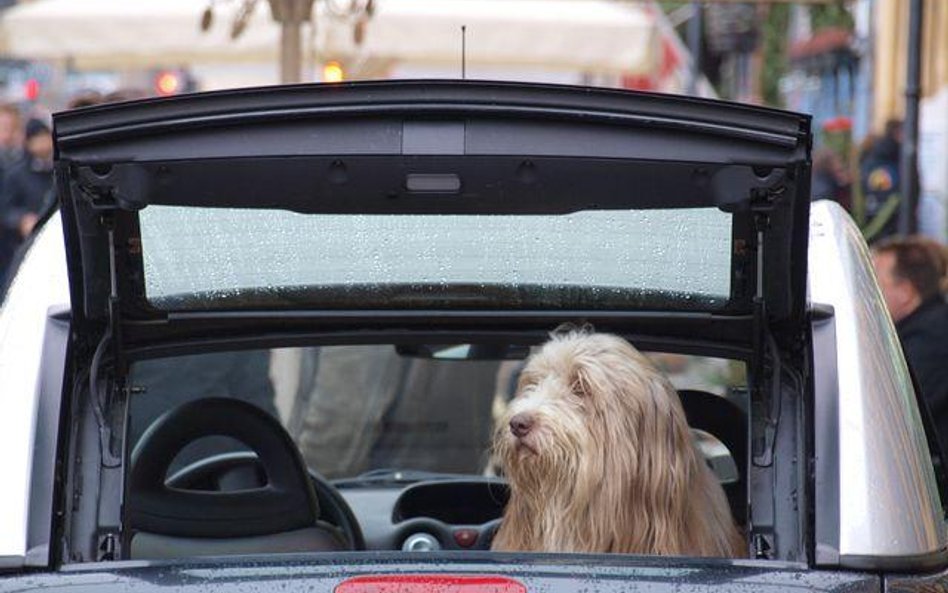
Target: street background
(846,62)
(872,73)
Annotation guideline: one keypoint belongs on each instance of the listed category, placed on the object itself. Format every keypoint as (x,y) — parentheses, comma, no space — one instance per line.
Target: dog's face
(587,405)
(600,458)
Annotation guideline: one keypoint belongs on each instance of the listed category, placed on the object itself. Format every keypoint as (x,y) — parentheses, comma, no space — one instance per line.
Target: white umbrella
(590,36)
(133,33)
(595,36)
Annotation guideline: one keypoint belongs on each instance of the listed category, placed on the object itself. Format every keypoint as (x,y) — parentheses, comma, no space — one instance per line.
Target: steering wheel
(283,497)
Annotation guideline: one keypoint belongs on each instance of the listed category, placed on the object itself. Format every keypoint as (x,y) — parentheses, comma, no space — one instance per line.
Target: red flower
(840,123)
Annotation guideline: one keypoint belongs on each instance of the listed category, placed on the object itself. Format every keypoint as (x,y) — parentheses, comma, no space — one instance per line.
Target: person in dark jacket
(11,152)
(26,190)
(163,384)
(11,135)
(911,272)
(880,182)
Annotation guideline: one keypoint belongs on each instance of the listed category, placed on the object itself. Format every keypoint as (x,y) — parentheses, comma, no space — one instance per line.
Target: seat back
(277,516)
(727,422)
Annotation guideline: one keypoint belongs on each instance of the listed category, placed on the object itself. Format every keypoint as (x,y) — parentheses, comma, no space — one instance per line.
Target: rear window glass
(228,258)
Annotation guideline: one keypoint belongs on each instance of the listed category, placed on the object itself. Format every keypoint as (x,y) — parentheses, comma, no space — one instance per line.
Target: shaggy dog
(599,458)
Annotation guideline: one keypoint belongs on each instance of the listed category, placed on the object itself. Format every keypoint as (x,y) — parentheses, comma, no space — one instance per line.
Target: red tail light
(430,583)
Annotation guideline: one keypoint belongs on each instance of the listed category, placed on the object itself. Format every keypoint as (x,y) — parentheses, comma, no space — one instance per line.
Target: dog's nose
(521,424)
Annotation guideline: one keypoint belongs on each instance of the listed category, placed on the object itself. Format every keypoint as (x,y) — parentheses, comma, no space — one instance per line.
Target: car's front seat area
(724,420)
(168,521)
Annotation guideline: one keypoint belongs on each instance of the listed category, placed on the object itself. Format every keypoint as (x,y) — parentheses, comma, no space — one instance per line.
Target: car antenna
(463,52)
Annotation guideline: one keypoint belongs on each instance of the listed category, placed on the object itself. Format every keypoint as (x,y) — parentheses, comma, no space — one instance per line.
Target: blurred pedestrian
(26,191)
(879,181)
(11,151)
(167,383)
(84,99)
(372,408)
(830,180)
(126,94)
(911,274)
(11,135)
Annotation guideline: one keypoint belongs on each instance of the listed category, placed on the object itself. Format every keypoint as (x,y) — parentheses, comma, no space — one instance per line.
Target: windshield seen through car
(367,408)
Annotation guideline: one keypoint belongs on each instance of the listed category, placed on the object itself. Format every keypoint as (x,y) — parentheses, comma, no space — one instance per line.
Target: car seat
(725,421)
(280,516)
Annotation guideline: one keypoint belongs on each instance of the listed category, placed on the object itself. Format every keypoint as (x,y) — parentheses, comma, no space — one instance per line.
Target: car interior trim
(45,449)
(825,442)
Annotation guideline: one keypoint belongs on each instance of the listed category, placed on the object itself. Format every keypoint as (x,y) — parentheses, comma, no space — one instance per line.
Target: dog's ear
(572,329)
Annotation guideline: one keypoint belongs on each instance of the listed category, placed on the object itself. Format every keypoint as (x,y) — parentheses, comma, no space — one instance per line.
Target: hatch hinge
(762,546)
(97,192)
(108,547)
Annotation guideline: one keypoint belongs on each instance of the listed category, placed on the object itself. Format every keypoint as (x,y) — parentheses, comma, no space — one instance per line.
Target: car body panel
(911,583)
(113,161)
(871,451)
(30,410)
(550,573)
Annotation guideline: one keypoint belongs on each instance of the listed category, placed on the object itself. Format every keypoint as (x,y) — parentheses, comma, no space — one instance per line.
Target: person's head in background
(84,99)
(893,130)
(910,271)
(89,98)
(11,127)
(38,141)
(125,94)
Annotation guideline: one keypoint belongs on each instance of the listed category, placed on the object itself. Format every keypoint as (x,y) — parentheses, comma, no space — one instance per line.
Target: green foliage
(670,5)
(775,27)
(831,15)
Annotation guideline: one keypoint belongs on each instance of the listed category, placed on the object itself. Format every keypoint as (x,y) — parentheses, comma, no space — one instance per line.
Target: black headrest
(285,503)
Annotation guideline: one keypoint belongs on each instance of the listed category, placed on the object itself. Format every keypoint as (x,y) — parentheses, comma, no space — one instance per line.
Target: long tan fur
(608,463)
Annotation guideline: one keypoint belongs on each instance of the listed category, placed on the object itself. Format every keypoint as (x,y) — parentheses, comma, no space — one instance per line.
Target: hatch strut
(762,203)
(115,327)
(761,222)
(101,402)
(764,428)
(109,545)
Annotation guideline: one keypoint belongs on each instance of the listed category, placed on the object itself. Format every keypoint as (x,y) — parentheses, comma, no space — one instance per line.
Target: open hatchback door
(434,202)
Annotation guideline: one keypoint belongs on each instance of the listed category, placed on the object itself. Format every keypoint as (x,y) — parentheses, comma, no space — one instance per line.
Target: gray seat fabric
(154,546)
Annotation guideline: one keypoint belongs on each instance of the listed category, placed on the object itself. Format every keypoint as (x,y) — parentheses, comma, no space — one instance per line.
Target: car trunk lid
(249,200)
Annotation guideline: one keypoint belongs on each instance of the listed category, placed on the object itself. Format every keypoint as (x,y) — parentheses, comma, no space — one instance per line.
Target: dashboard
(456,514)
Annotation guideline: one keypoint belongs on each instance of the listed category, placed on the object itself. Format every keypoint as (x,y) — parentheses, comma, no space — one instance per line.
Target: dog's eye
(524,389)
(580,385)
